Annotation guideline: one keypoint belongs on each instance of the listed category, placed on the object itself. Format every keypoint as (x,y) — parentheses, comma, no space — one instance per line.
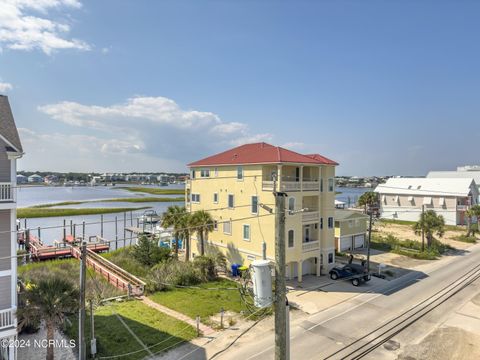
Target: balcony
(7,318)
(6,192)
(311,186)
(267,185)
(462,207)
(310,246)
(312,215)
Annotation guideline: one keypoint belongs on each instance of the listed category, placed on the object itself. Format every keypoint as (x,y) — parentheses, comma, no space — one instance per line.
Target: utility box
(262,283)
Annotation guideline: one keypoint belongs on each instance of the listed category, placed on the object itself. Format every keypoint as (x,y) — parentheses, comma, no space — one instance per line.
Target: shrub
(149,253)
(206,267)
(124,258)
(172,273)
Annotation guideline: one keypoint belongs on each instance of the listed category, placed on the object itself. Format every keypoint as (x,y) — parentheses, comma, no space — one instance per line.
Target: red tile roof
(261,153)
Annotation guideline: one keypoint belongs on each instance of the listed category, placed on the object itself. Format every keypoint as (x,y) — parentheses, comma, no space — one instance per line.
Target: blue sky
(383,87)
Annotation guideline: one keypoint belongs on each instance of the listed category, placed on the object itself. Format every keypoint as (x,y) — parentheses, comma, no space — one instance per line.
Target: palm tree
(368,199)
(173,217)
(49,300)
(202,223)
(431,223)
(186,222)
(474,211)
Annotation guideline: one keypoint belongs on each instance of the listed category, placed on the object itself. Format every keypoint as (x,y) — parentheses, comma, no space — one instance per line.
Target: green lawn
(49,212)
(154,191)
(151,326)
(193,302)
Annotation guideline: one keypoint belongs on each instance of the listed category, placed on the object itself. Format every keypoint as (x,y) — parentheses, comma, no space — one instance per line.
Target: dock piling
(38,232)
(71,227)
(64,230)
(83,230)
(101,225)
(116,232)
(124,229)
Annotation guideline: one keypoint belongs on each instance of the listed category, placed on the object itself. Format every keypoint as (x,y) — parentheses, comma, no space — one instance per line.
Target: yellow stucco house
(350,230)
(232,185)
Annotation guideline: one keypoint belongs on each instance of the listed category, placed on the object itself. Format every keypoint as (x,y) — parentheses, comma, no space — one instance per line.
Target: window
(216,172)
(239,173)
(231,201)
(204,173)
(291,238)
(246,232)
(215,225)
(330,258)
(427,200)
(321,185)
(330,222)
(291,205)
(396,200)
(192,174)
(384,199)
(441,201)
(196,198)
(215,198)
(321,223)
(227,227)
(306,234)
(254,204)
(331,184)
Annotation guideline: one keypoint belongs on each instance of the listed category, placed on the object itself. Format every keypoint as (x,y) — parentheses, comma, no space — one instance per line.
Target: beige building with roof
(232,184)
(350,230)
(403,198)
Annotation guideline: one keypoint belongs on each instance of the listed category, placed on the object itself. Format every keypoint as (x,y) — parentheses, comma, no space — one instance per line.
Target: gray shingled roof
(8,129)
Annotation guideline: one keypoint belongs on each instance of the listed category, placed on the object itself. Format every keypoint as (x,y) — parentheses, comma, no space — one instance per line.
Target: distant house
(35,178)
(50,179)
(350,230)
(403,198)
(21,179)
(10,151)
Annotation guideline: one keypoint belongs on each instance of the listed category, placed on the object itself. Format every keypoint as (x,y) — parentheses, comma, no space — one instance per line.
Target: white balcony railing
(7,318)
(462,207)
(310,246)
(267,185)
(290,186)
(6,191)
(311,186)
(310,216)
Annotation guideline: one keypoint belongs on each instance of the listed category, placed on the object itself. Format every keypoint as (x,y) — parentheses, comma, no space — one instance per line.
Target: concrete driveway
(316,294)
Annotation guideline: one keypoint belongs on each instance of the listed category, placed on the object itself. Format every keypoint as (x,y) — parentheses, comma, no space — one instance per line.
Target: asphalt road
(320,335)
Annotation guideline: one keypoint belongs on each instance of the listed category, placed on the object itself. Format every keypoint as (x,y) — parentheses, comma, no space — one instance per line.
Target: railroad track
(380,335)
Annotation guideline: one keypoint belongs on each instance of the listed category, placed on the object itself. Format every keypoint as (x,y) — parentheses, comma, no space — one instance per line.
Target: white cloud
(24,25)
(4,87)
(142,133)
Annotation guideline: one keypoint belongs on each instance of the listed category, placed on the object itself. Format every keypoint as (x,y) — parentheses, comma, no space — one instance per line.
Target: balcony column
(299,270)
(318,266)
(279,178)
(301,178)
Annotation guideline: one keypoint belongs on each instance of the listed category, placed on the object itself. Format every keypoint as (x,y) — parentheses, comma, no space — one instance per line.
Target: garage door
(359,241)
(345,243)
(308,267)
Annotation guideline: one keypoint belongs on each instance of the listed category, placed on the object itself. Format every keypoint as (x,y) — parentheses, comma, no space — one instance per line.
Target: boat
(150,217)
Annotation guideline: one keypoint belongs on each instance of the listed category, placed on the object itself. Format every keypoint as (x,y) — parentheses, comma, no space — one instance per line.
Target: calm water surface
(29,196)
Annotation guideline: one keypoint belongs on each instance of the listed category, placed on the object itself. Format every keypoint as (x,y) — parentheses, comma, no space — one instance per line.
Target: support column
(301,179)
(299,271)
(318,266)
(291,270)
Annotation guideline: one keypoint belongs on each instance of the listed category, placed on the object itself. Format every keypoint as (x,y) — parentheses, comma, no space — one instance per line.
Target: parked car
(353,272)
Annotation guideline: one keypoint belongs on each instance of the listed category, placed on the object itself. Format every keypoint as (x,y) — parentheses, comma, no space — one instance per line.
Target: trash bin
(241,269)
(235,270)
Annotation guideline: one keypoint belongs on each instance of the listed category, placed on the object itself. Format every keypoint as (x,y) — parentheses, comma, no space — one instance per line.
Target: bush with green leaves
(172,273)
(148,252)
(206,267)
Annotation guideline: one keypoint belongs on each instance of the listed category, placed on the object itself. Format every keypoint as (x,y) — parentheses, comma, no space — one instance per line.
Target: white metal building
(403,198)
